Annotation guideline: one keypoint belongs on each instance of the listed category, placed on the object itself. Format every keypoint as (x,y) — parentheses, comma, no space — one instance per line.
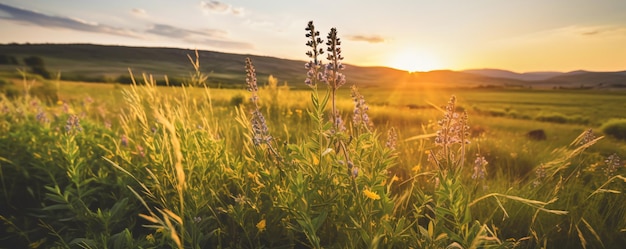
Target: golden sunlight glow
(414,61)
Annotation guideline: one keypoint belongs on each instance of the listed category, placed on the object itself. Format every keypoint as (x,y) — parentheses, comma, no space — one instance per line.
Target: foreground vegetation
(206,168)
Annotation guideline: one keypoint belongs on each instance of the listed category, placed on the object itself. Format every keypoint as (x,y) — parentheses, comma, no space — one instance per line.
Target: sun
(414,61)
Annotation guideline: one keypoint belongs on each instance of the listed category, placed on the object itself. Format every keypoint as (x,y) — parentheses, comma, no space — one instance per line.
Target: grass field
(87,165)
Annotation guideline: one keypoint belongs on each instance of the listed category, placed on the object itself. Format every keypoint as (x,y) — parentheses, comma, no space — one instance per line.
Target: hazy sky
(524,35)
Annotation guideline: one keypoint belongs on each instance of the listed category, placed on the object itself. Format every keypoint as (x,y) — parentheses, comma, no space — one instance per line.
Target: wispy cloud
(171,31)
(221,8)
(35,18)
(601,30)
(210,37)
(366,38)
(139,12)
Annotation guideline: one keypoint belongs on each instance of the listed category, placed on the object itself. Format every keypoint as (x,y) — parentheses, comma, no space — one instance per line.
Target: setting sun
(414,61)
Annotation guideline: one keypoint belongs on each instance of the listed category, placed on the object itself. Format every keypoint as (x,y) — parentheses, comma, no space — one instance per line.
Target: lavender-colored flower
(587,137)
(479,167)
(339,124)
(335,79)
(392,138)
(251,77)
(41,117)
(355,172)
(259,125)
(360,109)
(73,124)
(612,164)
(259,128)
(453,126)
(314,66)
(124,140)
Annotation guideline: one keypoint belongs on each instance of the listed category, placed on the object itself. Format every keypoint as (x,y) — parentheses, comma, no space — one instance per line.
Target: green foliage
(37,66)
(8,60)
(615,128)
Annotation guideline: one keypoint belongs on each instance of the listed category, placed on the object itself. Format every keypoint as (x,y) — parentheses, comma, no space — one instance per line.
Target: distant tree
(37,66)
(8,60)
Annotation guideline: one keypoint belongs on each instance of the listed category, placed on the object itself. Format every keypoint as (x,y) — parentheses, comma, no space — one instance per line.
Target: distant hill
(100,63)
(498,73)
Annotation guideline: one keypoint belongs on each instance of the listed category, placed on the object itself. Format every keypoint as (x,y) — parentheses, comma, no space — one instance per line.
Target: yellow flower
(261,225)
(150,238)
(371,194)
(417,168)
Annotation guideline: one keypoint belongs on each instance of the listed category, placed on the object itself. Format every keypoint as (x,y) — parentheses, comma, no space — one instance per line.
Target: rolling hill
(89,62)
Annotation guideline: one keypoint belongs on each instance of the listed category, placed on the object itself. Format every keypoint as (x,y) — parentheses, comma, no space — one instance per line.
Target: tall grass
(187,168)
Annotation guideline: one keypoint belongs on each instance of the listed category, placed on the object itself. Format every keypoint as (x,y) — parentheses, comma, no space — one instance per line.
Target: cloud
(211,37)
(601,30)
(171,31)
(227,44)
(366,38)
(139,12)
(35,18)
(221,8)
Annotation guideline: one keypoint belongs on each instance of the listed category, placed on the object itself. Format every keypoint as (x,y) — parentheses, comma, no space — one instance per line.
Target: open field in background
(500,118)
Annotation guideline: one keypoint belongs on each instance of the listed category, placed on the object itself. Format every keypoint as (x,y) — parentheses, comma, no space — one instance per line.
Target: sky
(419,35)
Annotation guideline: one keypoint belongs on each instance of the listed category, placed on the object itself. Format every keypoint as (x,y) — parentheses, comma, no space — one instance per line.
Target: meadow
(87,165)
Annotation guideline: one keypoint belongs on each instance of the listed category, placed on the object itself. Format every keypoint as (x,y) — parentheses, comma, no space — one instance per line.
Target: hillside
(100,63)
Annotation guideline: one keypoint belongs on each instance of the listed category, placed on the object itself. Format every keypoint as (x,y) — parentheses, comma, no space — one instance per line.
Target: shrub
(552,117)
(236,100)
(615,128)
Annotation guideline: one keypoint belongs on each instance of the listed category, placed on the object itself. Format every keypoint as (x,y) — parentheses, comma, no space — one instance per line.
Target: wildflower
(66,108)
(107,124)
(261,225)
(453,127)
(371,195)
(339,125)
(72,124)
(612,164)
(251,77)
(392,138)
(360,109)
(259,128)
(314,66)
(479,167)
(259,125)
(197,219)
(352,171)
(140,151)
(124,140)
(334,78)
(540,172)
(150,238)
(587,137)
(240,199)
(355,172)
(41,117)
